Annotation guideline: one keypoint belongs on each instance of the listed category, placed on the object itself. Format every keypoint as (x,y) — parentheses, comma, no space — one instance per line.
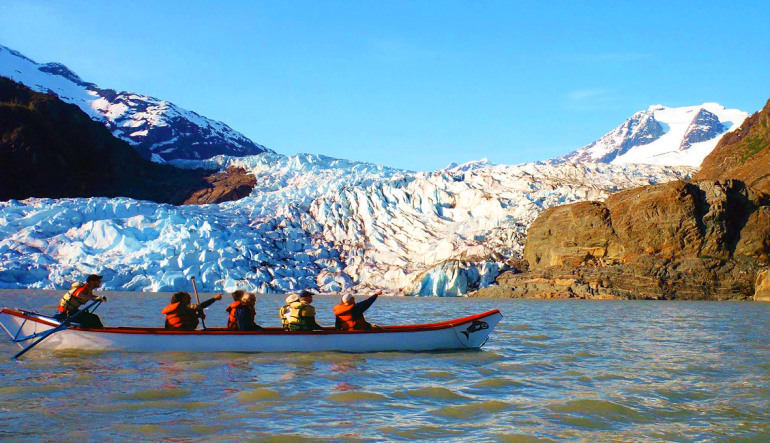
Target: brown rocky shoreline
(694,279)
(703,240)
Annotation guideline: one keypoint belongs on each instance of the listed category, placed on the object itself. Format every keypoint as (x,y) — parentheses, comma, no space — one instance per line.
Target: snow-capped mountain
(311,222)
(663,136)
(158,129)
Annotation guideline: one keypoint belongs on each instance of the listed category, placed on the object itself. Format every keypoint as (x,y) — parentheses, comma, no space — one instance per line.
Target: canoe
(462,333)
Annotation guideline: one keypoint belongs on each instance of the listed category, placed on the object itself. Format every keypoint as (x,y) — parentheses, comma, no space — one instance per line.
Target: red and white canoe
(463,333)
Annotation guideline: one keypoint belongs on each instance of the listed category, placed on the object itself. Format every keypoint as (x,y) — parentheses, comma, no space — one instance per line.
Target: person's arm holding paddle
(199,308)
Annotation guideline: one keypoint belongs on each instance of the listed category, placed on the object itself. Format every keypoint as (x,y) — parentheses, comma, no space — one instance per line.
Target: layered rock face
(686,240)
(743,154)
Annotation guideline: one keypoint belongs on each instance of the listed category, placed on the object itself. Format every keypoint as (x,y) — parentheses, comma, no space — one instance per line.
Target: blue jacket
(245,317)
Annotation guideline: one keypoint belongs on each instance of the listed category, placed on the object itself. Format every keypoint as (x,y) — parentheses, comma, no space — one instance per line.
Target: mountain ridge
(159,130)
(49,148)
(662,135)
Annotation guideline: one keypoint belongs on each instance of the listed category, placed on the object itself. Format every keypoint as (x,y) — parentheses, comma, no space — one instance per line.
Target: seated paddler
(349,315)
(243,314)
(182,315)
(285,311)
(301,316)
(230,309)
(78,295)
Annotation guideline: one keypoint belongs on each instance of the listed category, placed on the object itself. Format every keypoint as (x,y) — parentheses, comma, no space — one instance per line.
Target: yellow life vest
(301,316)
(282,314)
(71,302)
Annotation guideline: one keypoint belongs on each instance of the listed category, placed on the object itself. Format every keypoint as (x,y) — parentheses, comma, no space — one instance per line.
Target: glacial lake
(552,370)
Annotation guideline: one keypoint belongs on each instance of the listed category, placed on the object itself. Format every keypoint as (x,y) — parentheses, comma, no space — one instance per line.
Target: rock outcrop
(686,240)
(762,286)
(743,154)
(704,126)
(233,184)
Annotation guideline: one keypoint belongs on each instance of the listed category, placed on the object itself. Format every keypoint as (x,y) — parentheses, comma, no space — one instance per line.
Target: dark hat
(93,277)
(305,293)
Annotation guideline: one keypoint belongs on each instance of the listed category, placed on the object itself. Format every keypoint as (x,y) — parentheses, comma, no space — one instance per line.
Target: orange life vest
(345,314)
(180,318)
(232,322)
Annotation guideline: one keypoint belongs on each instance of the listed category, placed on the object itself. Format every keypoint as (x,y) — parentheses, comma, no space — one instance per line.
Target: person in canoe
(302,314)
(243,314)
(283,313)
(182,315)
(77,296)
(230,309)
(349,315)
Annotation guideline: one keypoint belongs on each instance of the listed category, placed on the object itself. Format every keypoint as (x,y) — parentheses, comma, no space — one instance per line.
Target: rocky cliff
(687,240)
(743,154)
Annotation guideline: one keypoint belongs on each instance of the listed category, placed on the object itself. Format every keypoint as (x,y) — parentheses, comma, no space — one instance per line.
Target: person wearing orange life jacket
(349,315)
(232,323)
(245,312)
(77,296)
(182,315)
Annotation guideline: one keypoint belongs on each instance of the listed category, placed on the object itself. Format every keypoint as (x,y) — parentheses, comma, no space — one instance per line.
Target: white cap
(347,298)
(292,298)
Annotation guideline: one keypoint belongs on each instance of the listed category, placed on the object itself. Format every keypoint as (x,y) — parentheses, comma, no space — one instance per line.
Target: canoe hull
(466,333)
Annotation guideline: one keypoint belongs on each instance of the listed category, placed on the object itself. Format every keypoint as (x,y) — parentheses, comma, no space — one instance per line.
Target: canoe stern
(19,324)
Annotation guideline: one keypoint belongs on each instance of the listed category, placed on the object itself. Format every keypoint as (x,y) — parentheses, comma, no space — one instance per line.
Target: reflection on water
(552,370)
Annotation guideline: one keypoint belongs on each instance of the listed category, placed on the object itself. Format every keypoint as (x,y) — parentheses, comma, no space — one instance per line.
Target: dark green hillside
(49,148)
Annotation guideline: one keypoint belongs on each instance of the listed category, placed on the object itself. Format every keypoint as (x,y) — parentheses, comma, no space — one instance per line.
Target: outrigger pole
(64,325)
(198,301)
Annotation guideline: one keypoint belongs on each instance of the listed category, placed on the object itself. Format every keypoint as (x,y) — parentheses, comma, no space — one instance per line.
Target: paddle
(64,325)
(198,301)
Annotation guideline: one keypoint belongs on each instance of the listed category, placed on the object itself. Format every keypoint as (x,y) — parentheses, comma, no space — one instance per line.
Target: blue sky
(412,84)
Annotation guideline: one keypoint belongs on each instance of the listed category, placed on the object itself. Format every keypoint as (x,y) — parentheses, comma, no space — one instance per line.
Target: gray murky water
(552,370)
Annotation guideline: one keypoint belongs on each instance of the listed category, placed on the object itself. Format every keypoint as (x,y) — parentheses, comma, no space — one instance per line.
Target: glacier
(311,222)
